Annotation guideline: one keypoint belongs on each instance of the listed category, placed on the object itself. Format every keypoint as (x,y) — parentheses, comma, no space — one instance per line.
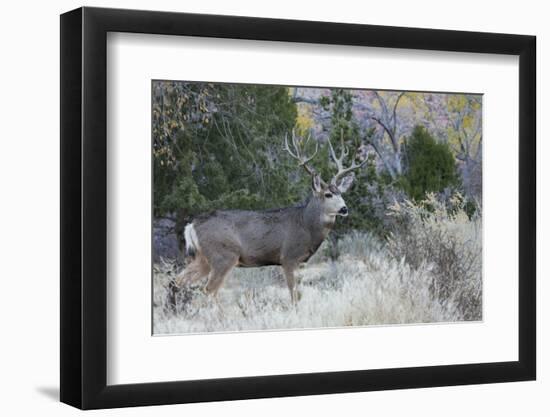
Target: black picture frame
(84,207)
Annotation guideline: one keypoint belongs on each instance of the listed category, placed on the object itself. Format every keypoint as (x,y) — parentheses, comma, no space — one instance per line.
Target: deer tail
(191,240)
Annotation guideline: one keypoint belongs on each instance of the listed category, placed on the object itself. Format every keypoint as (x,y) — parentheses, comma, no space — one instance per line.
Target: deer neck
(316,220)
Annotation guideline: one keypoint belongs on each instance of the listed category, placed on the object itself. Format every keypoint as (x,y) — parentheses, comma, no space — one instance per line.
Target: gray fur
(261,238)
(287,236)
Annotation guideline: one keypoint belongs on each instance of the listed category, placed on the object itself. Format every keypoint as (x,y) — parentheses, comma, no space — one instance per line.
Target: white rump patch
(191,238)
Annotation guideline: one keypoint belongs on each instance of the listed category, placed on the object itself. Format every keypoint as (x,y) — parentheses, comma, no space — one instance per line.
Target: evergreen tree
(219,146)
(429,165)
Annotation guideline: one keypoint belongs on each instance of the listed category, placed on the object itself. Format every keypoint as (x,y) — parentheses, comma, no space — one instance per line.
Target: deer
(224,239)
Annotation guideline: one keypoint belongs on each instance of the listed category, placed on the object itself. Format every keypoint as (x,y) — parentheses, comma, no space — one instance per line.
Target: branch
(296,99)
(388,131)
(389,168)
(394,109)
(300,99)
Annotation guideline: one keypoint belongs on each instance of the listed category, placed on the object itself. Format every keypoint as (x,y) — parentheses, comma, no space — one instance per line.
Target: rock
(165,240)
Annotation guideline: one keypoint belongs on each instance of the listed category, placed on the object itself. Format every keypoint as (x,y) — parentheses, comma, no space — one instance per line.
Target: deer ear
(345,183)
(316,184)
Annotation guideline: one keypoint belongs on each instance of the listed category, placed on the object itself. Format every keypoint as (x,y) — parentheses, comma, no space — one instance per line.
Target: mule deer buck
(288,236)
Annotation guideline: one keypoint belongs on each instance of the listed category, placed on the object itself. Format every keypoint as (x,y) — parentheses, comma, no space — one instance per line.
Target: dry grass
(442,234)
(373,283)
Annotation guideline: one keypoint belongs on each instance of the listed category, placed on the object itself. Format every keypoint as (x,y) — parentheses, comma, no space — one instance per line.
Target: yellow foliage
(304,120)
(468,121)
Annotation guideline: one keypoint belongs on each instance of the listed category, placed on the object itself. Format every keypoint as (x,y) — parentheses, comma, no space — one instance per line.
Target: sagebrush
(428,271)
(440,234)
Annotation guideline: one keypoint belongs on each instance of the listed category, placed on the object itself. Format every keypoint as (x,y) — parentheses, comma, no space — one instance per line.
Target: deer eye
(328,195)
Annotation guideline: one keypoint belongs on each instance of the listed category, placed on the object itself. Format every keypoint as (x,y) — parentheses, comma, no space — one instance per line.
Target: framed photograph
(257,208)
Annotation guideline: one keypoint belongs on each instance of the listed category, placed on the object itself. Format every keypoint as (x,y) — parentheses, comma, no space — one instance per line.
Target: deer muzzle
(343,211)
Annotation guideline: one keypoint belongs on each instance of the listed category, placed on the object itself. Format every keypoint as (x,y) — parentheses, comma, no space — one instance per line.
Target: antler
(298,155)
(340,161)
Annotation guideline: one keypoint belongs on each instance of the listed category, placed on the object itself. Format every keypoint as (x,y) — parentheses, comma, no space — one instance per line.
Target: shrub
(443,236)
(429,165)
(365,286)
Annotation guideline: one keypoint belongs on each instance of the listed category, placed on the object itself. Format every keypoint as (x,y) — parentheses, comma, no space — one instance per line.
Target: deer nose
(343,210)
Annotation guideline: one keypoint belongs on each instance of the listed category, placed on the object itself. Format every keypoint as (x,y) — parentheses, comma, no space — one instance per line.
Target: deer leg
(216,278)
(196,270)
(193,272)
(220,269)
(291,282)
